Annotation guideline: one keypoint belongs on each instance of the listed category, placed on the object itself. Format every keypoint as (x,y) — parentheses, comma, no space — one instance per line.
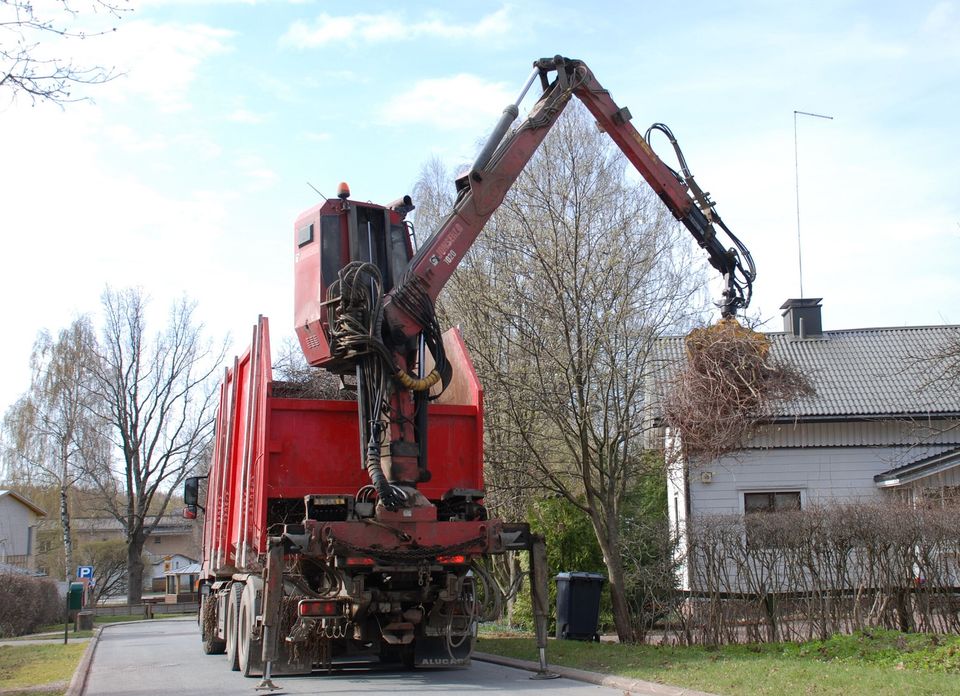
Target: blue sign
(84,571)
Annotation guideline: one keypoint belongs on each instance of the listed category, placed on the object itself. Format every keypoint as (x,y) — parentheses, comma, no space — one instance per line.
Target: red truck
(339,530)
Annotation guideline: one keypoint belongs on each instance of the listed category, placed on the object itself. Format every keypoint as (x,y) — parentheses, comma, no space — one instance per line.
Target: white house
(882,422)
(19,518)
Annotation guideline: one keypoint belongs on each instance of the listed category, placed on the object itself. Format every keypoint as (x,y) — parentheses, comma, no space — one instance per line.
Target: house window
(779,501)
(171,584)
(767,532)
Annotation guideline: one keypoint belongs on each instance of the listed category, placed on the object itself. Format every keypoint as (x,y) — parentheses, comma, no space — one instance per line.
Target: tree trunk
(515,570)
(67,537)
(615,576)
(135,569)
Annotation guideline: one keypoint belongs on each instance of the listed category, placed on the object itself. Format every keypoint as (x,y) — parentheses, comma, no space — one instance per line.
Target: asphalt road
(164,657)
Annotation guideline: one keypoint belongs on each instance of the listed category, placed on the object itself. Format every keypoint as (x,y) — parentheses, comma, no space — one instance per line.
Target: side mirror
(191,492)
(191,497)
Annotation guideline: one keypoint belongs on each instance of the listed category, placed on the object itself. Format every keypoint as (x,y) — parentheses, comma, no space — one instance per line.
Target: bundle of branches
(729,384)
(312,383)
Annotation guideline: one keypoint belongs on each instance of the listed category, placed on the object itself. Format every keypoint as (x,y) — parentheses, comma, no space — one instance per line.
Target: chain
(409,555)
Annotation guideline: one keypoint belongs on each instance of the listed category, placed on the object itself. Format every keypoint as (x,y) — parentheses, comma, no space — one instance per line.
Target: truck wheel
(208,627)
(247,648)
(233,612)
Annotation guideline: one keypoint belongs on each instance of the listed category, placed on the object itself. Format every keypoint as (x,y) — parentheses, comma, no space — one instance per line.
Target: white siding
(677,505)
(16,528)
(821,474)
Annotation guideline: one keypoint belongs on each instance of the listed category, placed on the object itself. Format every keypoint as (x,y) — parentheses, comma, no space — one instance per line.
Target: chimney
(801,317)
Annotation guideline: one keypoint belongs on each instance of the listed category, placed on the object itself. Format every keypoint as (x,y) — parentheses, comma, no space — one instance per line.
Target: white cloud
(259,176)
(375,28)
(462,101)
(315,137)
(246,116)
(70,225)
(158,62)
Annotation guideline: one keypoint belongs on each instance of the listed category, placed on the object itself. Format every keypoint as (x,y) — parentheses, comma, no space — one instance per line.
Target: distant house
(181,584)
(173,538)
(162,568)
(881,424)
(19,518)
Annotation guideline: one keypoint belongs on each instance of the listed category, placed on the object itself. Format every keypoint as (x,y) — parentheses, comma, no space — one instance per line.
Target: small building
(883,424)
(160,569)
(19,518)
(181,584)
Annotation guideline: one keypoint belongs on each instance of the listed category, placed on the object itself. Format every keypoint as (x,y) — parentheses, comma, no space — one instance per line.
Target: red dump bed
(270,452)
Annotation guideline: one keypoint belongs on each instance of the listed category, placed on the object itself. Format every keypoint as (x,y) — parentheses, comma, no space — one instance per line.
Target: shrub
(27,603)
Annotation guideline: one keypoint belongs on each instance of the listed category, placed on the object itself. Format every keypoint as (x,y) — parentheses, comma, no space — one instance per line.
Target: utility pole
(796,174)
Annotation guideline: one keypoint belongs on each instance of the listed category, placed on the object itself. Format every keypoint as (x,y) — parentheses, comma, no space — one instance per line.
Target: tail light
(362,561)
(459,559)
(319,607)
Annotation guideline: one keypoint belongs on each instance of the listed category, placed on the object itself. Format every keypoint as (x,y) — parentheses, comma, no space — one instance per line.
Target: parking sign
(84,571)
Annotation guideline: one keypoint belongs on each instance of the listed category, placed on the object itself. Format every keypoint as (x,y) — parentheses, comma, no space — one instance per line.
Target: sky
(184,175)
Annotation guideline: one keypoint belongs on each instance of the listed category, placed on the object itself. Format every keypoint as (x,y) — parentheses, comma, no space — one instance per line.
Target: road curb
(627,685)
(79,680)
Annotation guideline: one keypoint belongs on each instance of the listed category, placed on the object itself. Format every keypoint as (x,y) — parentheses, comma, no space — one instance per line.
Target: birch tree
(51,436)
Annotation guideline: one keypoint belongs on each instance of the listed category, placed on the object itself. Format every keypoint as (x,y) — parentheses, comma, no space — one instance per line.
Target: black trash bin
(578,605)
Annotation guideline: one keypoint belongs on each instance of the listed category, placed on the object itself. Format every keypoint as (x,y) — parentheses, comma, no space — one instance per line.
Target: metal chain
(408,555)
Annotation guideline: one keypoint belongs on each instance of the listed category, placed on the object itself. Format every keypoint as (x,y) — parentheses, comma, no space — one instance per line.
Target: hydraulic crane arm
(379,331)
(503,158)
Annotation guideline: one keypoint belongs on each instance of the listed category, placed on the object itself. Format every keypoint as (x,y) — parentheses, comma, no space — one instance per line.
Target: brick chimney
(801,317)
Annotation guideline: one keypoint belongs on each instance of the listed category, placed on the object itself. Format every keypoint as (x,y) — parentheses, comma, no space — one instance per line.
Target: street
(145,659)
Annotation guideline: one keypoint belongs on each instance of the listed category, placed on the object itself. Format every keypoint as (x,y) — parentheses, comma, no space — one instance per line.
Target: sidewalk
(50,638)
(633,687)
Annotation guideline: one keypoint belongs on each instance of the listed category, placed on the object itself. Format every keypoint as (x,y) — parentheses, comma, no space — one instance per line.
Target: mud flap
(436,652)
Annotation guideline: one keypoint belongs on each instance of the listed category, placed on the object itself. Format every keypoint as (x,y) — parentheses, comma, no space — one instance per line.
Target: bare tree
(157,399)
(562,299)
(31,36)
(109,559)
(50,435)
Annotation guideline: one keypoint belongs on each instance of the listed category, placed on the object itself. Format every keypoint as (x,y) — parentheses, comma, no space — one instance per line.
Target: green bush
(571,547)
(27,603)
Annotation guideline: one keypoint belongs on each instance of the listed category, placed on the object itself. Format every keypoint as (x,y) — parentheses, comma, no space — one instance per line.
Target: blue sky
(186,173)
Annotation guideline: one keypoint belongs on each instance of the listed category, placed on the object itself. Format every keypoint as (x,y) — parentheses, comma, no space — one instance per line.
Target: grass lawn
(34,665)
(878,662)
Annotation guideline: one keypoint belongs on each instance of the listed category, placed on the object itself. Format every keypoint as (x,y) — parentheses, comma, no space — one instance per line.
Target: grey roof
(168,525)
(24,501)
(919,468)
(858,372)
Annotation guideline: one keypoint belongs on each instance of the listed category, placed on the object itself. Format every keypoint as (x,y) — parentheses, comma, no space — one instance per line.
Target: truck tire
(208,621)
(248,649)
(233,613)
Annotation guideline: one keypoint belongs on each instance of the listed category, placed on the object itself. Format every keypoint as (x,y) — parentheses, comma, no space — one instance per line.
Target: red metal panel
(236,484)
(259,463)
(309,288)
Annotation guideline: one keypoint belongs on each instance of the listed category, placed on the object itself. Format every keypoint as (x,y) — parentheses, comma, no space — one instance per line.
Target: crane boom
(483,188)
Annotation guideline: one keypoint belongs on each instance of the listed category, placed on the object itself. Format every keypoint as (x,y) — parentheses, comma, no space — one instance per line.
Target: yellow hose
(414,384)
